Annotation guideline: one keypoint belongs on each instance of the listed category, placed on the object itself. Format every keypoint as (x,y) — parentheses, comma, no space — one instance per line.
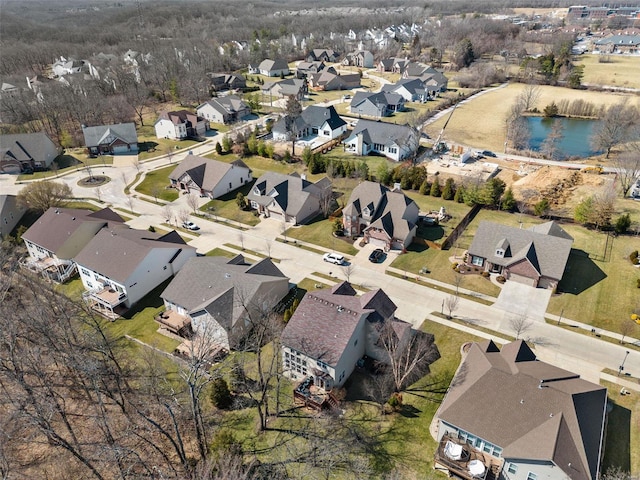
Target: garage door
(377,242)
(522,279)
(120,149)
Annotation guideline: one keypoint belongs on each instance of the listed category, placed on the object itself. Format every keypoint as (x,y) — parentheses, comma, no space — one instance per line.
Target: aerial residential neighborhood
(337,241)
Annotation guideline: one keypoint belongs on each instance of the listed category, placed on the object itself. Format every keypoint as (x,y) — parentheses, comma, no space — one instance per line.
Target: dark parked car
(376,256)
(489,153)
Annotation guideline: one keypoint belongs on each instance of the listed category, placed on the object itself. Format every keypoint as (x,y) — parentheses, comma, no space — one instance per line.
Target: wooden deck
(461,467)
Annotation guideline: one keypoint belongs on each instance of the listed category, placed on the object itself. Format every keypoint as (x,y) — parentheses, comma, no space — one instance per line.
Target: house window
(532,476)
(85,272)
(513,468)
(478,261)
(499,253)
(393,150)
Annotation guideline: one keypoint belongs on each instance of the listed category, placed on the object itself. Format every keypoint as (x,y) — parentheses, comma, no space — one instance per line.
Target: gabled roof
(205,172)
(290,192)
(533,410)
(316,116)
(412,85)
(324,322)
(66,231)
(394,217)
(379,98)
(117,251)
(366,195)
(226,105)
(382,133)
(270,65)
(27,146)
(180,116)
(221,286)
(98,135)
(546,246)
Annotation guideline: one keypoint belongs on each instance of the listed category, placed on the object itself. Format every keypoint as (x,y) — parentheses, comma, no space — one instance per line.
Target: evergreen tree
(220,394)
(425,188)
(449,189)
(218,148)
(435,188)
(508,200)
(459,195)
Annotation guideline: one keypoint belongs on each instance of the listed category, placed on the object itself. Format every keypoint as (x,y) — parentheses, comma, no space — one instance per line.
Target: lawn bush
(501,279)
(634,257)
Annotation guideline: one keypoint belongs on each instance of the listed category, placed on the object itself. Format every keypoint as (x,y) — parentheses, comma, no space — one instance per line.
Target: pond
(576,135)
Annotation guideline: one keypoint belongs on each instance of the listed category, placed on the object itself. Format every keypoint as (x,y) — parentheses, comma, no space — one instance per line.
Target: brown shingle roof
(205,172)
(533,410)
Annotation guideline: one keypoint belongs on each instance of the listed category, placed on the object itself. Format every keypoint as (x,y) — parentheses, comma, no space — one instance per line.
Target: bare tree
(627,166)
(529,97)
(458,278)
(293,111)
(409,352)
(42,195)
(155,192)
(241,238)
(327,201)
(283,229)
(183,215)
(268,247)
(169,152)
(136,163)
(168,213)
(348,271)
(627,327)
(98,192)
(192,202)
(550,144)
(520,324)
(130,202)
(451,303)
(617,126)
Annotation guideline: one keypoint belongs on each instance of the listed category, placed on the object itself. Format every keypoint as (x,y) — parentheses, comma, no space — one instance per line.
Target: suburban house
(327,81)
(386,218)
(380,104)
(68,67)
(111,139)
(290,198)
(180,124)
(508,415)
(427,74)
(55,239)
(304,69)
(396,142)
(411,89)
(218,297)
(26,151)
(314,120)
(273,68)
(295,87)
(10,214)
(535,256)
(323,55)
(331,331)
(120,265)
(226,81)
(623,44)
(362,59)
(229,109)
(208,177)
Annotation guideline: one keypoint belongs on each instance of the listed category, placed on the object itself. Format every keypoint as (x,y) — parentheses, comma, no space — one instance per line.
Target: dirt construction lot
(480,123)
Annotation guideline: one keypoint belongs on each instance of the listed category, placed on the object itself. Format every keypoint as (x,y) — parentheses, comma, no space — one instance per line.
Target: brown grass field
(620,71)
(481,122)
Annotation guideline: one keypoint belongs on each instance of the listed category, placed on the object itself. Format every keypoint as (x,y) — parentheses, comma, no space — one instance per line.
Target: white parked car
(335,258)
(190,226)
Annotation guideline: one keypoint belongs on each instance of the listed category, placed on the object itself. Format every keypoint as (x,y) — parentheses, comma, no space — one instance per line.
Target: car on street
(190,226)
(489,153)
(335,258)
(376,256)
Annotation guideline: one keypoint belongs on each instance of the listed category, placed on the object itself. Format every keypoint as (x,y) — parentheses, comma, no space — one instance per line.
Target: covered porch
(464,461)
(106,301)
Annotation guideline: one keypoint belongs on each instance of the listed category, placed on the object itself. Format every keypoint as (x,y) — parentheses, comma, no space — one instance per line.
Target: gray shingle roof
(531,409)
(413,86)
(222,286)
(94,136)
(546,246)
(382,133)
(117,251)
(26,146)
(66,231)
(226,105)
(316,116)
(205,172)
(378,98)
(270,65)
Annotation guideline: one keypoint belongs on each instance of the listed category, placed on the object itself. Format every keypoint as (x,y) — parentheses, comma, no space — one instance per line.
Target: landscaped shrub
(501,279)
(634,257)
(220,394)
(454,266)
(485,274)
(638,283)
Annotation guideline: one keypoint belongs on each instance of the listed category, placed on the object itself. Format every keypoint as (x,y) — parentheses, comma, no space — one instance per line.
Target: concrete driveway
(520,299)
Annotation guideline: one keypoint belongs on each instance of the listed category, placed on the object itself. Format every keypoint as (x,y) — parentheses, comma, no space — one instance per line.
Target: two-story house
(314,120)
(273,68)
(507,415)
(332,329)
(386,218)
(120,265)
(10,214)
(180,124)
(411,89)
(55,239)
(229,109)
(221,298)
(395,142)
(208,177)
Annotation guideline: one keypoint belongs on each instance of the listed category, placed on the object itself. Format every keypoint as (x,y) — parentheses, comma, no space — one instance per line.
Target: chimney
(396,187)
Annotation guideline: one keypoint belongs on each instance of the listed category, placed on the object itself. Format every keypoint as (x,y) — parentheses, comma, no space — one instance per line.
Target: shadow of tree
(580,273)
(617,452)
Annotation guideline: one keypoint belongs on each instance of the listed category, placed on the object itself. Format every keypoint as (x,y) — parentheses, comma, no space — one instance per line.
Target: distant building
(229,109)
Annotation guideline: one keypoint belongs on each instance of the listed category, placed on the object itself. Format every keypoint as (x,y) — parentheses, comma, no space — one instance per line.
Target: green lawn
(226,207)
(68,163)
(150,146)
(220,252)
(319,232)
(83,205)
(156,182)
